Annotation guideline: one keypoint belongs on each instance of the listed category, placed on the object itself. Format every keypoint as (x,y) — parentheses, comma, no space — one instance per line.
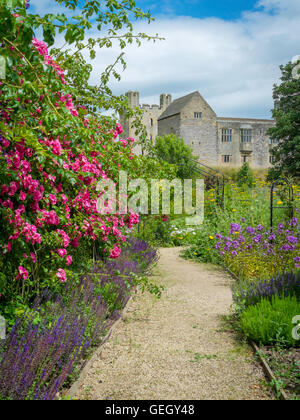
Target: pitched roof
(177,106)
(246,119)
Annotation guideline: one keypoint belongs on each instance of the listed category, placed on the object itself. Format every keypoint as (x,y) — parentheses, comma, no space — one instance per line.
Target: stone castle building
(217,141)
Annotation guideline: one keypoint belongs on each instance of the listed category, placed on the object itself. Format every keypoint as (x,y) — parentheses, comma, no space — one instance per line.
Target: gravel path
(175,348)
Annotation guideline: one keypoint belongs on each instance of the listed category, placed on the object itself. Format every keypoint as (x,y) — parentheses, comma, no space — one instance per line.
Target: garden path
(175,348)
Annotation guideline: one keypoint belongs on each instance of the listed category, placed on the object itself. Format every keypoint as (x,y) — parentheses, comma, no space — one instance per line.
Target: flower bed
(257,253)
(267,294)
(48,345)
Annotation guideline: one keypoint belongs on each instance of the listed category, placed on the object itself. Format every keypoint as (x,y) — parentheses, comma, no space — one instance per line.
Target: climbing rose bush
(52,155)
(258,253)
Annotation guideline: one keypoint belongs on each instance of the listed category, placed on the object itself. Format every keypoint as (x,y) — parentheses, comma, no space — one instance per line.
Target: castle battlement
(147,106)
(134,101)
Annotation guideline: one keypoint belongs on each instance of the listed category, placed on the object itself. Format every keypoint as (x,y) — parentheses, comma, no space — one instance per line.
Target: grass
(198,357)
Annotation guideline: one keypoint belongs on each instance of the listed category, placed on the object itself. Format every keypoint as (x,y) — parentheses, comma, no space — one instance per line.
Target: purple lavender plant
(283,285)
(50,343)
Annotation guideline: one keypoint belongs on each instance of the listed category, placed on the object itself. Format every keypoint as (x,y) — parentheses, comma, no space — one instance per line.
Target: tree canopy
(173,150)
(287,130)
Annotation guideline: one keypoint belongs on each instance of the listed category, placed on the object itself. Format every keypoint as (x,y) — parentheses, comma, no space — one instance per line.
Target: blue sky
(228,50)
(224,9)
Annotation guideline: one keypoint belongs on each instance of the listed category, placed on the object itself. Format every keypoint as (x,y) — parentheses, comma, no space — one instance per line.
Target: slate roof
(246,119)
(177,106)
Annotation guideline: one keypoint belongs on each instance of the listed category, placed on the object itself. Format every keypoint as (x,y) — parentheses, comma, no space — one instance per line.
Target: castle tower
(133,99)
(150,115)
(169,100)
(165,101)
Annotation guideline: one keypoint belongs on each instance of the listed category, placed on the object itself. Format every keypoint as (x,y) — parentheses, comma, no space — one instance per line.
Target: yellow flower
(279,203)
(234,210)
(211,237)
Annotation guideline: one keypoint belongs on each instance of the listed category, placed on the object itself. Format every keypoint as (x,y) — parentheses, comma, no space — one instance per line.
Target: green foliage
(204,249)
(287,129)
(110,293)
(173,150)
(149,168)
(112,16)
(145,285)
(30,94)
(155,230)
(245,176)
(162,232)
(270,322)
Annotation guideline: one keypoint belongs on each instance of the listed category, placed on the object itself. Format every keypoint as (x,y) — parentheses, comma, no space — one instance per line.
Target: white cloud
(233,64)
(288,7)
(45,6)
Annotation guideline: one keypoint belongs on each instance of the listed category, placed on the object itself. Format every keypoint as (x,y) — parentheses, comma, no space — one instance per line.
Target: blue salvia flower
(36,360)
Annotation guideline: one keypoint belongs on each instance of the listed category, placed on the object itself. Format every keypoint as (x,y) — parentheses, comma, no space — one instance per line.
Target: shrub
(204,248)
(270,322)
(245,176)
(155,230)
(55,146)
(173,150)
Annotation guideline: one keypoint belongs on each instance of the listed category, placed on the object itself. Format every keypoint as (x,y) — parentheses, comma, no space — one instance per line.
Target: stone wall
(257,152)
(198,133)
(170,125)
(149,119)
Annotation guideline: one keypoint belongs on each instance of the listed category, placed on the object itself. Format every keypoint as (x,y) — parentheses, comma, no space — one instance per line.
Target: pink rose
(13,189)
(62,252)
(23,273)
(75,243)
(116,252)
(61,274)
(69,260)
(22,196)
(64,199)
(52,199)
